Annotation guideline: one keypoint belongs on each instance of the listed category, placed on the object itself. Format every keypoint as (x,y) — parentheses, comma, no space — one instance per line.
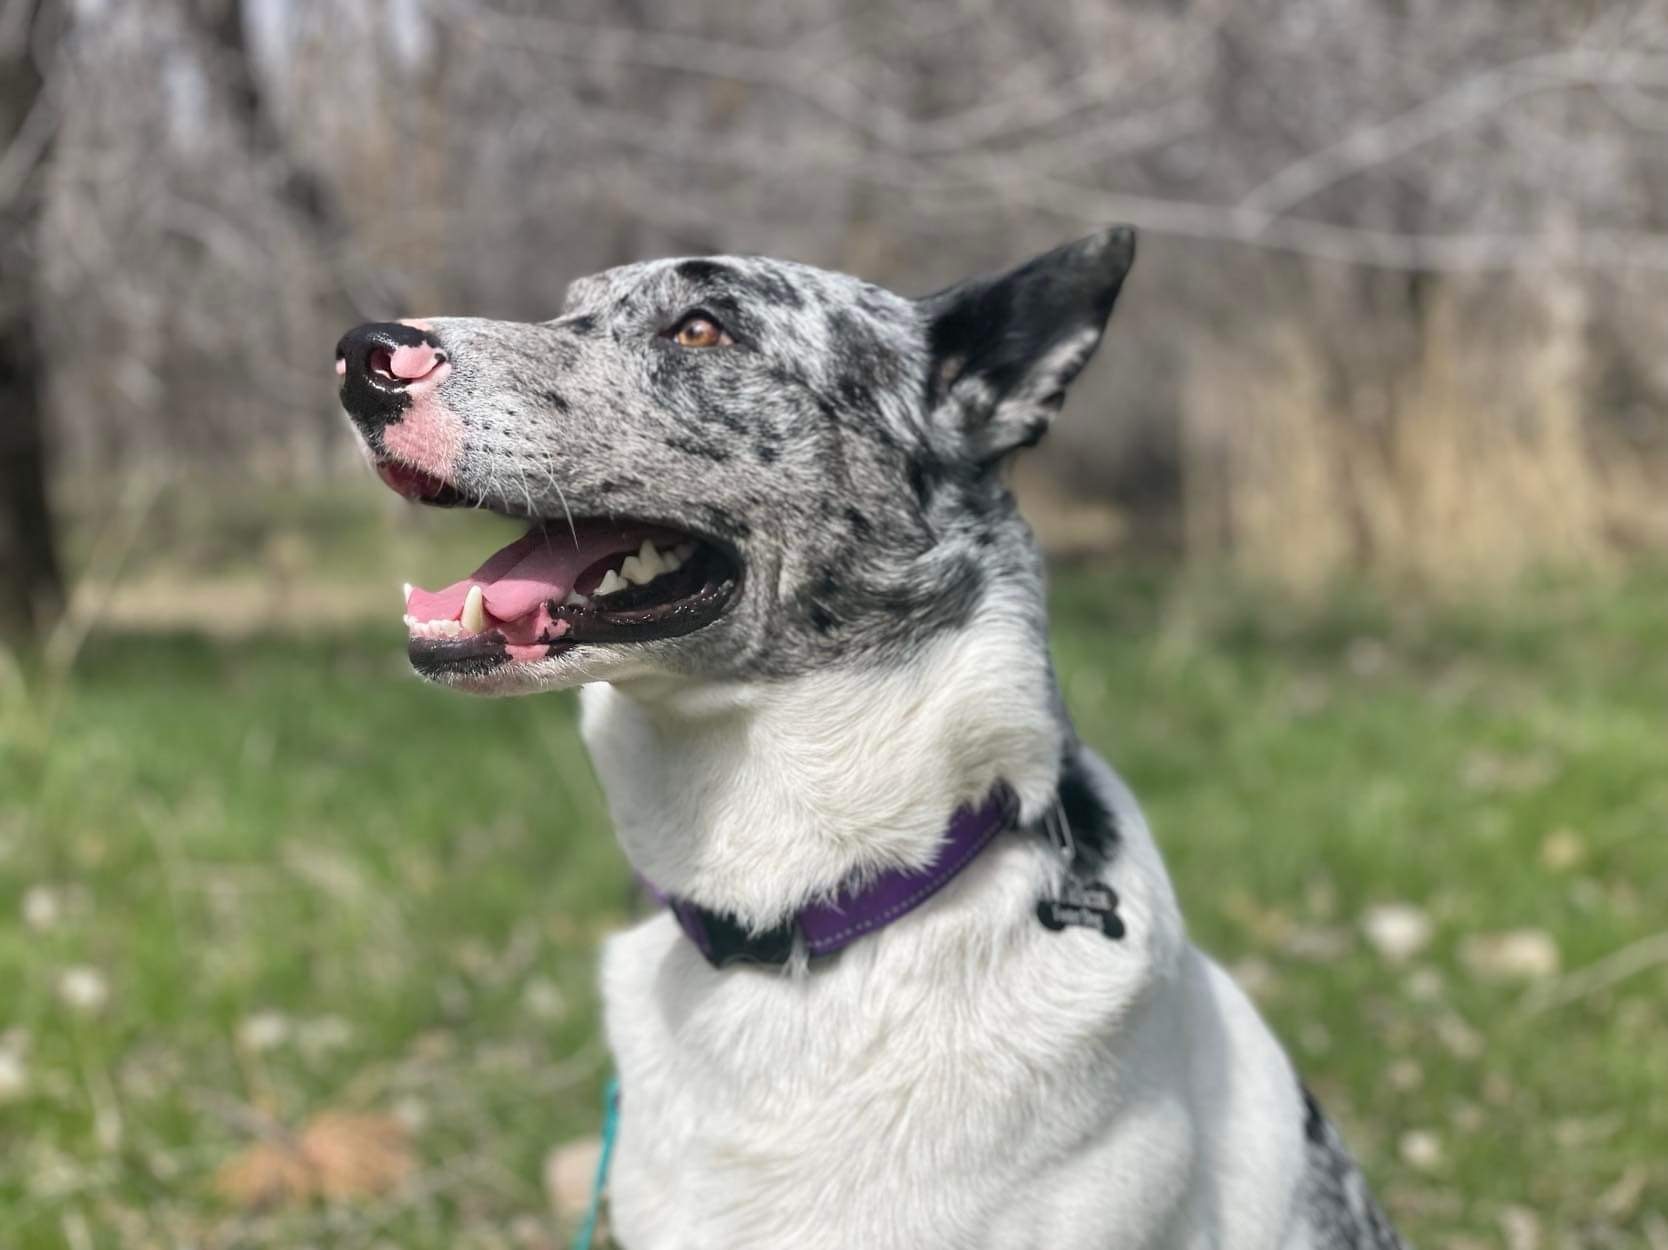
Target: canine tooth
(575,600)
(635,571)
(670,561)
(611,581)
(407,592)
(474,611)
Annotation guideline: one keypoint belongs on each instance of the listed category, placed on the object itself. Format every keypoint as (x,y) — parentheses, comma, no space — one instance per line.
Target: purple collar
(827,927)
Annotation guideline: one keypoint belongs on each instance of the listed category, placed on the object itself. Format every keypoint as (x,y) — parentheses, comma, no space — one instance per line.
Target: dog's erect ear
(1005,348)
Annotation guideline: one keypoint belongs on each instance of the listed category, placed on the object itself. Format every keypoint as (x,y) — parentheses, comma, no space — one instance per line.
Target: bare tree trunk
(224,25)
(31,579)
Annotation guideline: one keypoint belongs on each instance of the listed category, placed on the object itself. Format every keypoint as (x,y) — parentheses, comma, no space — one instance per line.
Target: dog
(921,980)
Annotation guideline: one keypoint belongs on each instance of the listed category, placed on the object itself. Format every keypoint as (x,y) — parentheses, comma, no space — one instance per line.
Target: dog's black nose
(383,365)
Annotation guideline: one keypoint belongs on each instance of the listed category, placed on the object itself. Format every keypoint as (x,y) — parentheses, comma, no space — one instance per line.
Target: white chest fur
(963,1078)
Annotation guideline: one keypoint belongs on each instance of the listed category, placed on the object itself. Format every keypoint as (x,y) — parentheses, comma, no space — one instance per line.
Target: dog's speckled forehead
(823,320)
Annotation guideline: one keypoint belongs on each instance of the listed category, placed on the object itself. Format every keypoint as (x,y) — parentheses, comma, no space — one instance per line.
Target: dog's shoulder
(1340,1208)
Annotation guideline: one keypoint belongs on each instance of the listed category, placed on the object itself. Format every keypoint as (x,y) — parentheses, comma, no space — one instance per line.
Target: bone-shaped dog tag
(1085,904)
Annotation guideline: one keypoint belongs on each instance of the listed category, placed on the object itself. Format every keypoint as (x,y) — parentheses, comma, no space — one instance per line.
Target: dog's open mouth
(561,585)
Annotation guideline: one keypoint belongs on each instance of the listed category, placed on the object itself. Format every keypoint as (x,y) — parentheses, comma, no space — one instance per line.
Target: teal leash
(610,1131)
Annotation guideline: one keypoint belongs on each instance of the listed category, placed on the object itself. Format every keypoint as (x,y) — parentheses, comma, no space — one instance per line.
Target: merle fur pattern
(843,411)
(848,449)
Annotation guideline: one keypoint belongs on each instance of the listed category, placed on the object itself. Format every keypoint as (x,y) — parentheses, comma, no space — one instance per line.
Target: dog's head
(732,466)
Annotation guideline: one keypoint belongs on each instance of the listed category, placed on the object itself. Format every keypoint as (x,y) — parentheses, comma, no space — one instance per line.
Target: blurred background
(1358,526)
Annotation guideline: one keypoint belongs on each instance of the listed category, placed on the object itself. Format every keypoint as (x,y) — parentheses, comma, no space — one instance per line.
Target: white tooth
(474,611)
(654,564)
(631,568)
(411,621)
(611,582)
(575,600)
(407,590)
(683,551)
(670,562)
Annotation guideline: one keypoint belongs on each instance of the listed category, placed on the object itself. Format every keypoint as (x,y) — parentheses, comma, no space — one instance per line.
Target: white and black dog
(922,980)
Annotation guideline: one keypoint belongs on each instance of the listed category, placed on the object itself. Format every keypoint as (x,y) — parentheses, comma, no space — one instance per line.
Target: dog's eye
(698,329)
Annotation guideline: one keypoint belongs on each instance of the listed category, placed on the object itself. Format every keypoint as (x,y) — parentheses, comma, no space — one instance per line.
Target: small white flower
(14,1077)
(83,988)
(543,1000)
(1397,931)
(41,910)
(263,1030)
(1421,1149)
(412,1112)
(1518,954)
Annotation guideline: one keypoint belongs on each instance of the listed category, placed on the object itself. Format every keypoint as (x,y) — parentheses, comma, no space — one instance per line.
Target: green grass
(309,882)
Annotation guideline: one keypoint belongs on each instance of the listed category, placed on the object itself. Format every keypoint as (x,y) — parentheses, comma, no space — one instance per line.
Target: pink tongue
(539,566)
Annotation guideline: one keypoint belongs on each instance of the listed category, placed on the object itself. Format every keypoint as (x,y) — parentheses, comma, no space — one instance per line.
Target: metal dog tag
(1086,904)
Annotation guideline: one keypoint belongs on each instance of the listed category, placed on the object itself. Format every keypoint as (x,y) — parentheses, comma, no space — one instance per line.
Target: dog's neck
(758,798)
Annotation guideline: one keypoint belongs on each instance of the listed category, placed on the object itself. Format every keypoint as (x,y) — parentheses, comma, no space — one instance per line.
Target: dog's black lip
(473,656)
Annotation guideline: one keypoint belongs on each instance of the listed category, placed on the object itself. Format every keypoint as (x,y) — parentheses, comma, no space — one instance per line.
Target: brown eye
(700,330)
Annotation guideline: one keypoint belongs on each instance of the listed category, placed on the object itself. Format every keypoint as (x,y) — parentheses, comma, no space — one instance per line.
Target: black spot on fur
(777,289)
(1339,1206)
(861,351)
(1032,435)
(924,474)
(556,400)
(724,525)
(976,502)
(718,453)
(704,271)
(822,618)
(1314,1120)
(853,392)
(767,451)
(1094,827)
(785,377)
(859,523)
(734,422)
